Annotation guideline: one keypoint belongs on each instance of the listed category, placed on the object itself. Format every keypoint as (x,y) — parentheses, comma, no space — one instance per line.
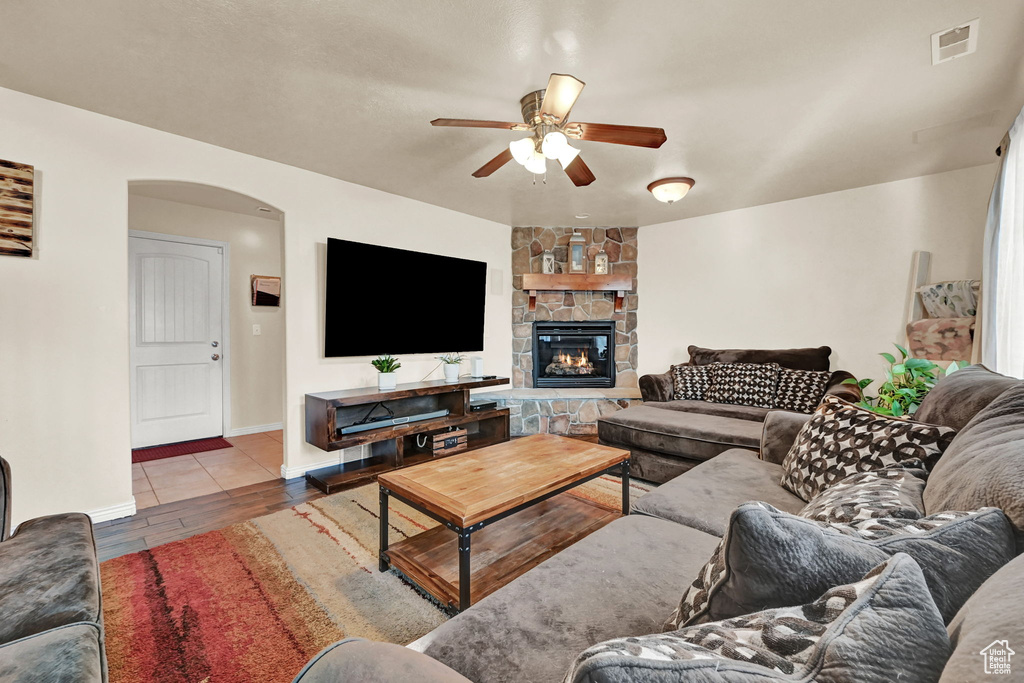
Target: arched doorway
(207,357)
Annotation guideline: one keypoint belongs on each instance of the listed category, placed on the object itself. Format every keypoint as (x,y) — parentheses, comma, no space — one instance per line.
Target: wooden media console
(395,446)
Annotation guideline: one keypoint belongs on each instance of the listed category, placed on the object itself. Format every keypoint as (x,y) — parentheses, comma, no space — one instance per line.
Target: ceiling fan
(546,118)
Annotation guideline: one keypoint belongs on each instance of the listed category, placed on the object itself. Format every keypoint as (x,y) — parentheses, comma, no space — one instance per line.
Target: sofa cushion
(690,435)
(705,496)
(745,384)
(992,614)
(68,654)
(49,576)
(355,659)
(798,359)
(768,558)
(619,581)
(957,398)
(841,439)
(893,491)
(690,382)
(800,390)
(984,465)
(719,409)
(880,628)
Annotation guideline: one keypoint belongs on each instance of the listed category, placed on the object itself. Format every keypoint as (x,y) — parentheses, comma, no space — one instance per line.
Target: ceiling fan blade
(638,136)
(473,123)
(494,164)
(579,172)
(560,96)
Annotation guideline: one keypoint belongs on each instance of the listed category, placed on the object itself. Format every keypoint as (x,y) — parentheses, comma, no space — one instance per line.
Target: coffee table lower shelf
(502,551)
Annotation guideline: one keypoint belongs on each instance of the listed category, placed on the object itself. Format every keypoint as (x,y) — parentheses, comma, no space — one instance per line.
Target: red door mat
(184,448)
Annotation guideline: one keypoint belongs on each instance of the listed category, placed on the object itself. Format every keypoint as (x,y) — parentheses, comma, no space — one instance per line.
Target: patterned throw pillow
(841,439)
(846,634)
(800,390)
(893,491)
(690,381)
(747,384)
(769,558)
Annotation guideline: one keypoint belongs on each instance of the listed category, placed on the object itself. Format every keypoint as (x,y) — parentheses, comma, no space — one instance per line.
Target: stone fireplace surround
(569,411)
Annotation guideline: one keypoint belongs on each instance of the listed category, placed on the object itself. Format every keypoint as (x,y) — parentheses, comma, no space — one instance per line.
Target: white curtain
(1002,291)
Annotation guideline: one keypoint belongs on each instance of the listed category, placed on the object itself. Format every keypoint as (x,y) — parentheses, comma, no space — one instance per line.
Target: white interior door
(175,299)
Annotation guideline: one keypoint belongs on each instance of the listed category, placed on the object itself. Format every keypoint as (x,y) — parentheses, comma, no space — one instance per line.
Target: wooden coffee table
(509,498)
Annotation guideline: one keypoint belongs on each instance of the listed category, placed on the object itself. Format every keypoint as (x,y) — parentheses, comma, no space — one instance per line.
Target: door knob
(214,344)
(215,356)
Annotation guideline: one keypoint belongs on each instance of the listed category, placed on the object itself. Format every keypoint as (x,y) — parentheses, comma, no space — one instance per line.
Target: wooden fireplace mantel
(577,282)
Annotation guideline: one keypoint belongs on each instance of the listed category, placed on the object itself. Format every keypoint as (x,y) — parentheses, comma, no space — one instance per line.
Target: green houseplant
(386,366)
(452,363)
(906,382)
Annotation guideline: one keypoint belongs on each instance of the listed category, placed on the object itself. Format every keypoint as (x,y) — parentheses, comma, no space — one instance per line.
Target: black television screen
(385,300)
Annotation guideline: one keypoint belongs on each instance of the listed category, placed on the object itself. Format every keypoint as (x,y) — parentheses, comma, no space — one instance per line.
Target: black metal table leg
(464,570)
(625,487)
(382,563)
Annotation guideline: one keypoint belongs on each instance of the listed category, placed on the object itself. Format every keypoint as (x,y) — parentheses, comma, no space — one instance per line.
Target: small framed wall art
(266,290)
(16,198)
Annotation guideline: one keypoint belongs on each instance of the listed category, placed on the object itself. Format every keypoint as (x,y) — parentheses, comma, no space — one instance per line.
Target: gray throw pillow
(769,558)
(745,384)
(690,382)
(800,390)
(880,628)
(841,439)
(893,491)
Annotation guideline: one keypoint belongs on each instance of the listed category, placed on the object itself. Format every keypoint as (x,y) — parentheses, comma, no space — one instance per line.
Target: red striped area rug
(255,601)
(182,448)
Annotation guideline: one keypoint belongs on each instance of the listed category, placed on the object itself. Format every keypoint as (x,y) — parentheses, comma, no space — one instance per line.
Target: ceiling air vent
(954,42)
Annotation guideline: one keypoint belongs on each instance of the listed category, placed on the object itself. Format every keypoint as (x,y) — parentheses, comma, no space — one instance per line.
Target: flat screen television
(386,300)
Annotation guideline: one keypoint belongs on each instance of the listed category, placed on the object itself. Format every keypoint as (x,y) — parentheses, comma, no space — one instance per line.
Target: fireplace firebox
(574,354)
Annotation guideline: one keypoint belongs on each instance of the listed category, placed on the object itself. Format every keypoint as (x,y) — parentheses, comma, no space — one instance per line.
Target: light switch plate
(256,331)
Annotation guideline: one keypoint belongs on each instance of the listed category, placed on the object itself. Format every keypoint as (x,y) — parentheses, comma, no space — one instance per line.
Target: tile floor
(252,459)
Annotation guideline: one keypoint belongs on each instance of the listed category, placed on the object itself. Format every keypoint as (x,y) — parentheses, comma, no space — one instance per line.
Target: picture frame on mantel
(266,290)
(17,190)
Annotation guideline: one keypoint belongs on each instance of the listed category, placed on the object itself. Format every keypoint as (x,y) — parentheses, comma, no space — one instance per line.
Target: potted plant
(452,363)
(906,383)
(386,366)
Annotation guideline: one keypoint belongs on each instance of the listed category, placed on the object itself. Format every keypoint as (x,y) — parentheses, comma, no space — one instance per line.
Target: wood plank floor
(160,524)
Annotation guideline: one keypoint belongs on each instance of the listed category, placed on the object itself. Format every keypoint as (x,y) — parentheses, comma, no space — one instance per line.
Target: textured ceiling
(761,101)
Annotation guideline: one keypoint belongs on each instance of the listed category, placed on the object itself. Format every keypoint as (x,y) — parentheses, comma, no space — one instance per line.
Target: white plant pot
(451,372)
(387,380)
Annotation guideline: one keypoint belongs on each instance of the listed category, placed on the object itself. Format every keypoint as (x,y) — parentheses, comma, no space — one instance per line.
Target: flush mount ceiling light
(546,119)
(670,190)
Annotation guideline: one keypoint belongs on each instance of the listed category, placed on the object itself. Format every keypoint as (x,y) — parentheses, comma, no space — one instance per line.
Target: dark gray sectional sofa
(51,619)
(625,579)
(666,437)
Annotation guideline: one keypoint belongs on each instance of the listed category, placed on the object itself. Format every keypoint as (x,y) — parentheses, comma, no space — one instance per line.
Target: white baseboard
(113,512)
(242,431)
(294,472)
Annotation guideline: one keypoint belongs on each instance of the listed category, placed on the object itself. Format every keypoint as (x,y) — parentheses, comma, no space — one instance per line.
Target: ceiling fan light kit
(670,190)
(545,116)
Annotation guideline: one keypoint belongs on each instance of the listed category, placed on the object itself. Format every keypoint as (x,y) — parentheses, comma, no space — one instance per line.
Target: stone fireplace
(585,389)
(574,355)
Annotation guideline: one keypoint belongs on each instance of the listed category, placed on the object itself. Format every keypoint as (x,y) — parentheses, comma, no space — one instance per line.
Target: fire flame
(580,361)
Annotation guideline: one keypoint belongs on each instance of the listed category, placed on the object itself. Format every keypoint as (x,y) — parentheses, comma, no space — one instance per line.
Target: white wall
(832,269)
(257,363)
(64,420)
